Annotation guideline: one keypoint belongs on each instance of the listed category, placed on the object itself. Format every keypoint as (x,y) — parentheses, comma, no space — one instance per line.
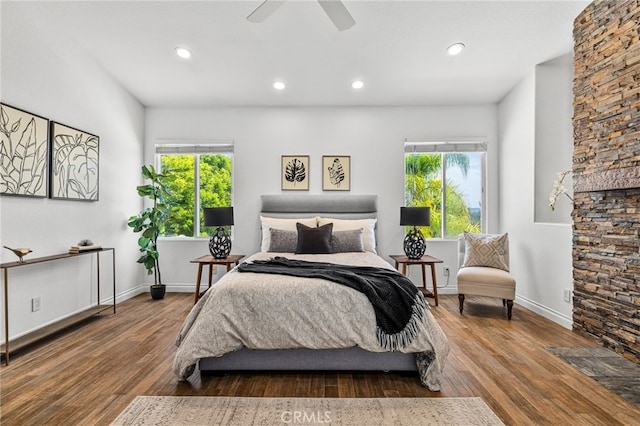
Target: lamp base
(414,244)
(220,244)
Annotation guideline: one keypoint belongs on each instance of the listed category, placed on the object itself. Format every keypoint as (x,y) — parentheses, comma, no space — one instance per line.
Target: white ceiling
(396,47)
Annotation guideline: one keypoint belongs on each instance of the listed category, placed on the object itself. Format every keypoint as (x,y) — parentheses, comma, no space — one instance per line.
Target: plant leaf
(4,118)
(336,173)
(15,126)
(295,171)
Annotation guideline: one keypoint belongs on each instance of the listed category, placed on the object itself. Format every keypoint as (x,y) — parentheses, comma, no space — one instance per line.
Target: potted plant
(151,222)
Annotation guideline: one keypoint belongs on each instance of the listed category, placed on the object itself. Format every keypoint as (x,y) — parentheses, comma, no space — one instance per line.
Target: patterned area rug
(208,410)
(606,367)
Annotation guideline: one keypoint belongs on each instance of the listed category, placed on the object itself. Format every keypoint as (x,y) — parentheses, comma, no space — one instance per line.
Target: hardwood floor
(90,373)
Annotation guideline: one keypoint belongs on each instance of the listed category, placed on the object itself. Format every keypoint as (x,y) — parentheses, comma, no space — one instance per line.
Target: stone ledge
(605,180)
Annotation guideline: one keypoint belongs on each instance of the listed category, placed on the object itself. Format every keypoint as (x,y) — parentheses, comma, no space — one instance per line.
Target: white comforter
(263,311)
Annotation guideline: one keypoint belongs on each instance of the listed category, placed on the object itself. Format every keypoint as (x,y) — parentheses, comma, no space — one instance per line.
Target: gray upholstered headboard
(338,206)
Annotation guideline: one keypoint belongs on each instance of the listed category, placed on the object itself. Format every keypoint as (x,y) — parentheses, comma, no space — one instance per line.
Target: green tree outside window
(423,188)
(214,190)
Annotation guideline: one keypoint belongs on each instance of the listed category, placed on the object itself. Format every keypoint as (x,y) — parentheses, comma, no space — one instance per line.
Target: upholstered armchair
(484,268)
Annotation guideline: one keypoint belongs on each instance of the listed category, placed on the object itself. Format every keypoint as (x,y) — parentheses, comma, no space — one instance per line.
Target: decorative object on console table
(74,163)
(151,222)
(336,173)
(295,172)
(20,252)
(220,241)
(84,245)
(414,243)
(24,153)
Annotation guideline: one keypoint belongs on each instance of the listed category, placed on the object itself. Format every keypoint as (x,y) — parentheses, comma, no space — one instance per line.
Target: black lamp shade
(415,216)
(218,216)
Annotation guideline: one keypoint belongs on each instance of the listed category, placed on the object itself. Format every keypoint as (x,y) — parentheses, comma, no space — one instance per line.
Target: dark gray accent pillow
(283,241)
(314,240)
(347,241)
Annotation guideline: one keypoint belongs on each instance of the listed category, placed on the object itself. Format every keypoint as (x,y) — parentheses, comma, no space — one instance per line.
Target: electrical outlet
(567,295)
(446,271)
(35,304)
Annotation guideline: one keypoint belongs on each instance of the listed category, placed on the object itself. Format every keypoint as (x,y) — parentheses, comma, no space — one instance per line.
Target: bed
(265,321)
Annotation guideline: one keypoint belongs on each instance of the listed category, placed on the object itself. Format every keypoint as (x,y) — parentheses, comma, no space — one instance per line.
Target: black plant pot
(157,291)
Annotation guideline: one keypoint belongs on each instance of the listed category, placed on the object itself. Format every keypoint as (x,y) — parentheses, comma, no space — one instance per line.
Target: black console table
(40,333)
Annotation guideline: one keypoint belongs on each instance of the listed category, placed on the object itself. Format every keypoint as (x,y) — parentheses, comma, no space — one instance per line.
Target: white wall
(53,79)
(372,136)
(553,137)
(540,253)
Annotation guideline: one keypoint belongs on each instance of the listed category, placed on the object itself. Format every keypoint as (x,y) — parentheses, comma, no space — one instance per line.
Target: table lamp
(220,241)
(414,243)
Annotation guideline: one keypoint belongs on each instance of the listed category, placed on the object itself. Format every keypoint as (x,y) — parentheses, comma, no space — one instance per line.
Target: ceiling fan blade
(265,9)
(338,13)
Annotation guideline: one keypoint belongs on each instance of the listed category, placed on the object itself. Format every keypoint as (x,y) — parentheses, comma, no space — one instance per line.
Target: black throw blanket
(397,303)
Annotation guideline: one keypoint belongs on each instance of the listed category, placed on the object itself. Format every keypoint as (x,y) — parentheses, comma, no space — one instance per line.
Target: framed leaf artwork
(24,153)
(74,163)
(336,173)
(295,172)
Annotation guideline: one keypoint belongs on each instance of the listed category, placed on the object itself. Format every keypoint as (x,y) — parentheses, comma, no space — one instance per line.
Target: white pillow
(368,225)
(284,224)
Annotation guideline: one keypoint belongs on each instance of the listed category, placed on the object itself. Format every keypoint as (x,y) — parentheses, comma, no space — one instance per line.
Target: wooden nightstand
(423,261)
(229,261)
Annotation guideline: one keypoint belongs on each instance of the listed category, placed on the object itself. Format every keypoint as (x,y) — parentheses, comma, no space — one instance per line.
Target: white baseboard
(448,290)
(121,297)
(184,288)
(171,288)
(557,317)
(128,294)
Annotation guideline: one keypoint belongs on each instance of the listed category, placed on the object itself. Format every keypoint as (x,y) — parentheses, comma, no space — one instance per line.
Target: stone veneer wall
(606,169)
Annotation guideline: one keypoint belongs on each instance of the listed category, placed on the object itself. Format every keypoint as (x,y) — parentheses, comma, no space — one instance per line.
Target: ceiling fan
(335,10)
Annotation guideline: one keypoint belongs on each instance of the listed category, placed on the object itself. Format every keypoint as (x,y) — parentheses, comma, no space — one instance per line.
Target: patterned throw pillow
(347,241)
(283,241)
(368,226)
(487,250)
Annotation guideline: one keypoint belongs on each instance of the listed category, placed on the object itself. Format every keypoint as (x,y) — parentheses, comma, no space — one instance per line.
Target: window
(449,179)
(198,176)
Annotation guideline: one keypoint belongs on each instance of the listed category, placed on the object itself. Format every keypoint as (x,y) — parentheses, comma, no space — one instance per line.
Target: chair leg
(504,302)
(461,299)
(509,308)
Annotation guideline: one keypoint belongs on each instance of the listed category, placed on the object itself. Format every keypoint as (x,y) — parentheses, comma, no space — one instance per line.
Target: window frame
(441,147)
(224,147)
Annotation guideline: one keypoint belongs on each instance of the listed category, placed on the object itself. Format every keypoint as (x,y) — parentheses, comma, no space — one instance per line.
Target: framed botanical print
(74,163)
(24,153)
(336,173)
(295,173)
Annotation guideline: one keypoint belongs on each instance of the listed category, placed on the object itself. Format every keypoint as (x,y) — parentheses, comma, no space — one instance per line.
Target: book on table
(81,249)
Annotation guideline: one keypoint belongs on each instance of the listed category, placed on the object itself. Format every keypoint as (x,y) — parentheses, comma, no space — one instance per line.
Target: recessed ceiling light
(357,84)
(455,48)
(279,85)
(183,52)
